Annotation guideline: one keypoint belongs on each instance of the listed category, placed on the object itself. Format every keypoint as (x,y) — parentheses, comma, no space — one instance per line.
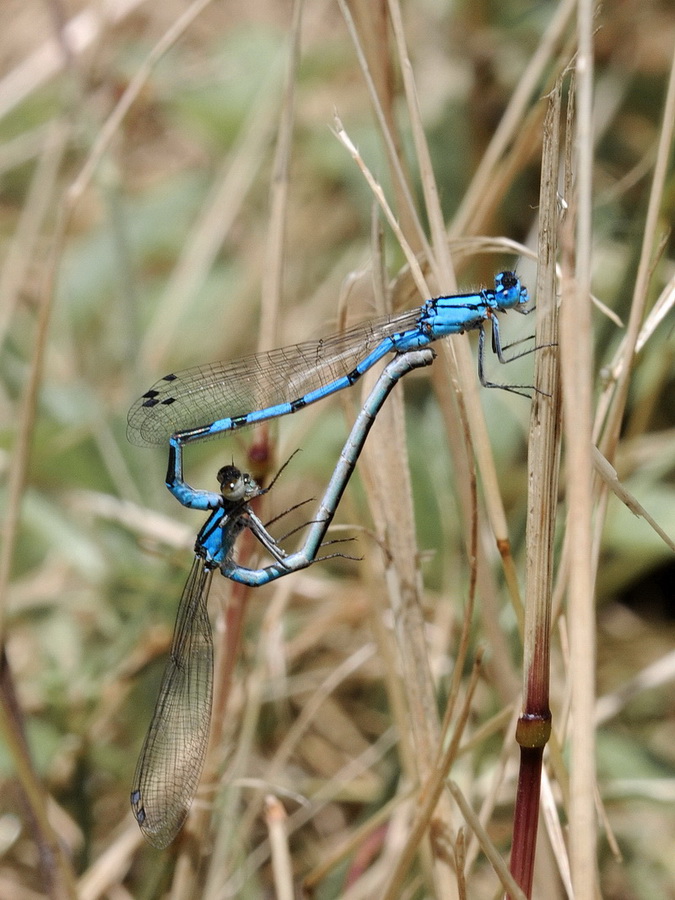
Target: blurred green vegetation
(93,597)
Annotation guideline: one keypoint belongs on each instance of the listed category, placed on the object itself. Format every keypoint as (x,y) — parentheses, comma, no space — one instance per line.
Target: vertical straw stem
(576,360)
(534,724)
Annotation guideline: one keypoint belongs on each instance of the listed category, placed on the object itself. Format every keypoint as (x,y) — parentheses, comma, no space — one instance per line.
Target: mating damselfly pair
(211,400)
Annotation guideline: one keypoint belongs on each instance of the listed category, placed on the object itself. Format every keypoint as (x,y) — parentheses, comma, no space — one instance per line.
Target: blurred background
(133,248)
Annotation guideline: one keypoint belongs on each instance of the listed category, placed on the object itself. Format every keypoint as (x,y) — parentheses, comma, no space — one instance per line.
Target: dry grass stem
(172,195)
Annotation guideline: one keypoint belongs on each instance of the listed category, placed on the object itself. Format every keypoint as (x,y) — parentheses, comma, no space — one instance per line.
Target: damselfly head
(509,292)
(236,485)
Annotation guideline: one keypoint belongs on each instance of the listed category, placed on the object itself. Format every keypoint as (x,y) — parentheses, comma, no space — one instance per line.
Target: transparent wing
(172,758)
(201,395)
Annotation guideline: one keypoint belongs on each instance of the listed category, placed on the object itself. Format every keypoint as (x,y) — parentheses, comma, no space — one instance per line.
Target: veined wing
(172,758)
(203,394)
